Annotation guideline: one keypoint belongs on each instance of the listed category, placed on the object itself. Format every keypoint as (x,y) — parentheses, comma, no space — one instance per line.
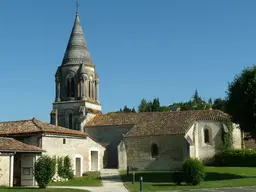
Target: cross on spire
(77,5)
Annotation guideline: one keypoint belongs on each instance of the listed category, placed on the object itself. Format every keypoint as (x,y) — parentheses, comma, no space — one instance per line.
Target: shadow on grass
(165,177)
(213,176)
(154,177)
(170,185)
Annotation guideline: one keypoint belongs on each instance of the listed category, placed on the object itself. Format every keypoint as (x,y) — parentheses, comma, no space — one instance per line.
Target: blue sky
(142,49)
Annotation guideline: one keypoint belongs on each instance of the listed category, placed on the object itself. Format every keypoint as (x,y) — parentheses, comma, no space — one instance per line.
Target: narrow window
(206,136)
(68,87)
(64,141)
(70,121)
(154,150)
(79,90)
(89,90)
(71,87)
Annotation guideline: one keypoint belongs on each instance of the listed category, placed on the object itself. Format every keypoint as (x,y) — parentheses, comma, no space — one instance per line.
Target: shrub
(44,170)
(64,168)
(178,177)
(194,171)
(69,174)
(236,158)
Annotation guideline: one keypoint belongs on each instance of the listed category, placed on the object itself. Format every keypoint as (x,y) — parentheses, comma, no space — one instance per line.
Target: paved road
(238,189)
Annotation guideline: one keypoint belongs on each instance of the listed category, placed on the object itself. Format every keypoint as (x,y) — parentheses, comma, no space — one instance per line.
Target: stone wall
(74,147)
(172,152)
(204,151)
(4,170)
(207,150)
(66,107)
(122,156)
(237,137)
(111,137)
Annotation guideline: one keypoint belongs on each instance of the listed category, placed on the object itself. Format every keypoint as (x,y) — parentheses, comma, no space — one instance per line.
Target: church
(93,140)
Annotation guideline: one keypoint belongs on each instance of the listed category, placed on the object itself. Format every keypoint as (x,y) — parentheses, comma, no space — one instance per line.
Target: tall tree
(210,101)
(149,106)
(196,97)
(155,105)
(143,105)
(241,100)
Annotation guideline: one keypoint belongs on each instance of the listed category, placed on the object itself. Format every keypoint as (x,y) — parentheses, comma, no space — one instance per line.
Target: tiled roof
(34,126)
(10,144)
(157,123)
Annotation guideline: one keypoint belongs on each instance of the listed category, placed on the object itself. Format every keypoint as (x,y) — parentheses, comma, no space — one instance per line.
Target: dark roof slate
(157,123)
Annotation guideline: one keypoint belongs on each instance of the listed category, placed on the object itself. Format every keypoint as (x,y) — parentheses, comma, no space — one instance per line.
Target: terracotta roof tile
(157,123)
(34,126)
(10,144)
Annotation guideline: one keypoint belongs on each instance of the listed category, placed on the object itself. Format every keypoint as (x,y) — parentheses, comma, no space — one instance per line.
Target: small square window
(64,141)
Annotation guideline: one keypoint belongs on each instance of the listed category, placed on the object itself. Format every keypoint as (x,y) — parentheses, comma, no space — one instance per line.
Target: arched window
(154,150)
(71,87)
(70,121)
(206,136)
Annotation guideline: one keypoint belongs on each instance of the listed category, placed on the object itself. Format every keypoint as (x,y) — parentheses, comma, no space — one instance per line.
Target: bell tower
(77,84)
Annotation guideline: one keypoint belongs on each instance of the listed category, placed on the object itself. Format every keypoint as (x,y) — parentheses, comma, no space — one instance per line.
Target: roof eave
(21,151)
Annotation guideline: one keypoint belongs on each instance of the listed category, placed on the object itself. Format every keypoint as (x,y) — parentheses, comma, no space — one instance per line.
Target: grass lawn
(39,190)
(216,177)
(92,179)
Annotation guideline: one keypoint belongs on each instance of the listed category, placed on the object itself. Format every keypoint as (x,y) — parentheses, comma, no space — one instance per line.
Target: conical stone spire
(77,51)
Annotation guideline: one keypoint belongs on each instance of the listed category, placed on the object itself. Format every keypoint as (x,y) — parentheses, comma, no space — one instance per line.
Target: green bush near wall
(45,168)
(236,158)
(193,172)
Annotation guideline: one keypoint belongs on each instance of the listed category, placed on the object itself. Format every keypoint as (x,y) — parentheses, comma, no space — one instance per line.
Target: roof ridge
(164,111)
(33,121)
(15,121)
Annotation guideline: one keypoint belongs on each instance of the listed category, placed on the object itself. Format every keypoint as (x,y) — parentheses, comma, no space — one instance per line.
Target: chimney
(54,117)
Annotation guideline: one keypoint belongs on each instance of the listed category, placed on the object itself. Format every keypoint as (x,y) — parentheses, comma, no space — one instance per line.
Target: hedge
(236,158)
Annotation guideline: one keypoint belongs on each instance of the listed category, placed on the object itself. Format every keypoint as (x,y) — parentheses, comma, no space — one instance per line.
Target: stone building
(160,140)
(77,84)
(77,107)
(93,140)
(128,137)
(26,140)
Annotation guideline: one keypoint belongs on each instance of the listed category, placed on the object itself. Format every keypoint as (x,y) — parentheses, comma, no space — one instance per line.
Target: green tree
(155,105)
(164,108)
(143,106)
(64,167)
(45,168)
(149,106)
(196,103)
(196,98)
(219,104)
(127,109)
(241,100)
